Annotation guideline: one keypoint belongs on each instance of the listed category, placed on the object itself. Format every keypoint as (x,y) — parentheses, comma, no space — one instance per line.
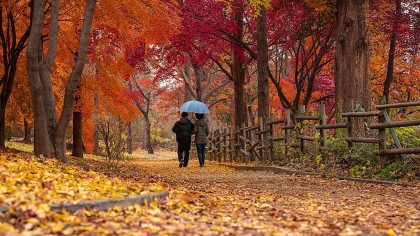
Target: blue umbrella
(194,106)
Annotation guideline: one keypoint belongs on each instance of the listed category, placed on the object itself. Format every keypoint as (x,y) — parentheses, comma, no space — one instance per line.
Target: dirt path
(216,200)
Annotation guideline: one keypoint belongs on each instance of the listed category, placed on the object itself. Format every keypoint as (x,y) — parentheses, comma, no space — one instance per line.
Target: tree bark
(129,139)
(77,149)
(45,69)
(27,130)
(352,82)
(391,53)
(199,76)
(149,146)
(239,67)
(262,65)
(42,142)
(188,94)
(96,150)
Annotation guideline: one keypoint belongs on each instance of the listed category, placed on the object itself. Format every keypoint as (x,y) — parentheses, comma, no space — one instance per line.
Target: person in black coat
(183,129)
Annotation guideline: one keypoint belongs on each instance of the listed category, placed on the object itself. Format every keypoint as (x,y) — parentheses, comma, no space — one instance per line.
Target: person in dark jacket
(201,130)
(183,129)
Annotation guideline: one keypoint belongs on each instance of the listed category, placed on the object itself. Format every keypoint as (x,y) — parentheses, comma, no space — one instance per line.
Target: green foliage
(392,171)
(161,137)
(409,136)
(407,168)
(24,147)
(359,160)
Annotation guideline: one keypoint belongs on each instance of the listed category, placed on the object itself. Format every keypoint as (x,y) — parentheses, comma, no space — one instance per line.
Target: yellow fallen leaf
(390,232)
(7,229)
(45,207)
(186,197)
(68,231)
(58,227)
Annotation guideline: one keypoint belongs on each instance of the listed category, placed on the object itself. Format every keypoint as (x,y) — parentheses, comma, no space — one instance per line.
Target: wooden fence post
(211,152)
(300,131)
(287,138)
(238,142)
(322,121)
(382,134)
(225,135)
(271,142)
(261,138)
(231,146)
(244,142)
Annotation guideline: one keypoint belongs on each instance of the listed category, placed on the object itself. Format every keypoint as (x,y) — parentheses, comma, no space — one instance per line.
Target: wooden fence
(257,142)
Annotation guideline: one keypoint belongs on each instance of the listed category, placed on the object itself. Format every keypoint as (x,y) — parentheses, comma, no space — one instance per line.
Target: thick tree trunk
(262,65)
(42,143)
(45,67)
(199,76)
(49,101)
(188,95)
(391,53)
(27,130)
(239,68)
(77,149)
(67,111)
(352,83)
(129,139)
(148,140)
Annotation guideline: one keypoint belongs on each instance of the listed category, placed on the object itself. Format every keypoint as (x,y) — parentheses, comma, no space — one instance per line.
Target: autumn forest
(90,85)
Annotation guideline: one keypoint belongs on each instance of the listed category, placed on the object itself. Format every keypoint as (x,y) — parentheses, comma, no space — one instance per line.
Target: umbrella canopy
(194,106)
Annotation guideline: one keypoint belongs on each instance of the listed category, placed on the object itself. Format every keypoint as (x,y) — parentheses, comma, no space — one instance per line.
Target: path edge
(285,170)
(105,204)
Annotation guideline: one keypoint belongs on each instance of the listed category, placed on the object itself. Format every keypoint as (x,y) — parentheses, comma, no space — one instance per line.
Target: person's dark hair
(184,114)
(199,116)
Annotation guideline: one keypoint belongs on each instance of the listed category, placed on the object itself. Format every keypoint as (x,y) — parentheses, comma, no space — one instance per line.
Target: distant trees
(14,33)
(248,58)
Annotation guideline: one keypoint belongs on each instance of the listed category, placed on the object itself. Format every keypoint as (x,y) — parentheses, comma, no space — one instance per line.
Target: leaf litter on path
(216,200)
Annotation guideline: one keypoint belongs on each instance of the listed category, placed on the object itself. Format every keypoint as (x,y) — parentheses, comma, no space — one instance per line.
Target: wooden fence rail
(257,142)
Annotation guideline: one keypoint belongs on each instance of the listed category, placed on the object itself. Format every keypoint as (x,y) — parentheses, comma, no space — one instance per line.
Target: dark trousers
(184,152)
(200,153)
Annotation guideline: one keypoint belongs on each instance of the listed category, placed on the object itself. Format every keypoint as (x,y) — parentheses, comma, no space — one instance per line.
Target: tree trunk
(262,65)
(44,70)
(391,53)
(73,81)
(41,144)
(27,129)
(199,76)
(95,126)
(239,68)
(148,136)
(352,83)
(129,139)
(77,149)
(188,95)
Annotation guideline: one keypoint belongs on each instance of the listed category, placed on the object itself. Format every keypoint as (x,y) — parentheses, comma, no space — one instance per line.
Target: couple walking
(183,129)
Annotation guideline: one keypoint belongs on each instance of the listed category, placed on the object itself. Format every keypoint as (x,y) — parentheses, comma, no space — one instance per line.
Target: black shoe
(180,164)
(202,165)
